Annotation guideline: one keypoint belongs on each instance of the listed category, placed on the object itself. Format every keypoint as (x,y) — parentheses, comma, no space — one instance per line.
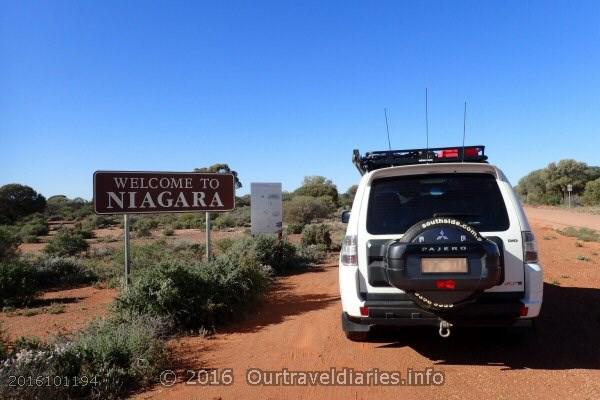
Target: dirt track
(298,328)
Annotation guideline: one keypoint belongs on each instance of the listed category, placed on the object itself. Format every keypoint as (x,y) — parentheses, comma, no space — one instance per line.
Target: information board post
(127,249)
(569,190)
(208,244)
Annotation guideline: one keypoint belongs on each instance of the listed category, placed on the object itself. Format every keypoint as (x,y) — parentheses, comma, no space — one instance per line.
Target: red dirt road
(560,218)
(298,328)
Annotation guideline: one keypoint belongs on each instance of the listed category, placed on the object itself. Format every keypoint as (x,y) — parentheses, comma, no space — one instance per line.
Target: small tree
(304,209)
(221,169)
(17,201)
(591,195)
(318,186)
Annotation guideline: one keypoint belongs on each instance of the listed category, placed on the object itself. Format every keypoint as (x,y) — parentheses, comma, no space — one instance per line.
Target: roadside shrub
(9,242)
(116,356)
(122,354)
(17,283)
(266,250)
(312,254)
(189,221)
(53,271)
(304,209)
(144,225)
(195,295)
(223,245)
(318,235)
(66,243)
(168,231)
(149,255)
(294,228)
(36,227)
(591,195)
(223,220)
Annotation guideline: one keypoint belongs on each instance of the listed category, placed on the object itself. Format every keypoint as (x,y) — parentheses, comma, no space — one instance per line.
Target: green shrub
(168,231)
(66,243)
(304,209)
(18,284)
(147,255)
(53,271)
(294,229)
(223,245)
(116,356)
(239,217)
(9,242)
(34,229)
(591,195)
(224,220)
(312,254)
(266,250)
(189,221)
(123,354)
(319,235)
(194,295)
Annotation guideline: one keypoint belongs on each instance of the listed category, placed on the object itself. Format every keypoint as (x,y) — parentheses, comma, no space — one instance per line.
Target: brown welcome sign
(121,192)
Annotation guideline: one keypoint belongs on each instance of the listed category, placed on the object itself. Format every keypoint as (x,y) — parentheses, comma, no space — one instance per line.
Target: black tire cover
(442,238)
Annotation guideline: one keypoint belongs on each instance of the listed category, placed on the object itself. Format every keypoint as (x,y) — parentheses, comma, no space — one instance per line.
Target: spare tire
(442,264)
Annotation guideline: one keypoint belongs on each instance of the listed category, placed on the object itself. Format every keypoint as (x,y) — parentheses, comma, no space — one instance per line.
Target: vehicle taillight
(530,251)
(350,251)
(364,311)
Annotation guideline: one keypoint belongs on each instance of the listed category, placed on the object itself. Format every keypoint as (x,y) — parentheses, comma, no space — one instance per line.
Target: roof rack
(391,158)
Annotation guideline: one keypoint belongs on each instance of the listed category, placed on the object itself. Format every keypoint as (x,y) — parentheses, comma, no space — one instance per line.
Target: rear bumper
(498,310)
(365,324)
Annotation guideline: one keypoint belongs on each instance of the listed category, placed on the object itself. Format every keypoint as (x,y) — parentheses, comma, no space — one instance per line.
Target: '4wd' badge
(442,236)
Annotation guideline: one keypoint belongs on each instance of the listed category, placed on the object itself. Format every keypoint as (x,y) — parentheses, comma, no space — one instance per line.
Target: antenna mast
(426,120)
(387,127)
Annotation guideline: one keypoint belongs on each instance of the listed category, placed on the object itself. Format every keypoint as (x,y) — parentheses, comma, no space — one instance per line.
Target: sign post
(122,192)
(208,244)
(569,190)
(127,248)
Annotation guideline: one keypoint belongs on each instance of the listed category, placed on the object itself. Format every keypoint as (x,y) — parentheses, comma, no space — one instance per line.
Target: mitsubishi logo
(442,236)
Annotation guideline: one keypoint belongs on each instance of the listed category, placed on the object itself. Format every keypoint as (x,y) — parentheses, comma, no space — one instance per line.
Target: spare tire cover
(464,263)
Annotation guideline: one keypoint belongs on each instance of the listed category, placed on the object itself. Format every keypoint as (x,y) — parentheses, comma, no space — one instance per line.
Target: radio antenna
(464,131)
(387,127)
(426,120)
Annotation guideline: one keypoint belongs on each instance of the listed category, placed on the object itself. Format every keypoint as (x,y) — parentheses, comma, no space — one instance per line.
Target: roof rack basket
(391,158)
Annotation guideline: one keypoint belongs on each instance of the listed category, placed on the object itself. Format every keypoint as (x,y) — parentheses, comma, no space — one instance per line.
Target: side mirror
(345,216)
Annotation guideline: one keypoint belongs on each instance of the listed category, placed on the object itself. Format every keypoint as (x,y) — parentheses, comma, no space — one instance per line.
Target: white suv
(436,237)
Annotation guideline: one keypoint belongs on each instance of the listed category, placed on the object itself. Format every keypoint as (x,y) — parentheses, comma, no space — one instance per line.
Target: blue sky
(284,89)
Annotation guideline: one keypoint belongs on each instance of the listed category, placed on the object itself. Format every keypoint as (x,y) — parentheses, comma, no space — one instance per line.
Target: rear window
(397,203)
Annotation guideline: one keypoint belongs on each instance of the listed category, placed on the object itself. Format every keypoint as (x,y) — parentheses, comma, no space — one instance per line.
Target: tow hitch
(444,329)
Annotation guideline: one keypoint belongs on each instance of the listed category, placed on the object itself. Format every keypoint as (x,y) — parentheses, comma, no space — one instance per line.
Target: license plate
(444,266)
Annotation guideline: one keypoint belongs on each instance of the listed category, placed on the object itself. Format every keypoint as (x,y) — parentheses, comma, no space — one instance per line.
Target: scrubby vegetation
(584,234)
(197,295)
(318,235)
(18,284)
(110,358)
(549,185)
(66,243)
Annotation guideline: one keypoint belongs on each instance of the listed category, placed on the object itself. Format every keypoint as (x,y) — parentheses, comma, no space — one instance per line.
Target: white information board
(266,207)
